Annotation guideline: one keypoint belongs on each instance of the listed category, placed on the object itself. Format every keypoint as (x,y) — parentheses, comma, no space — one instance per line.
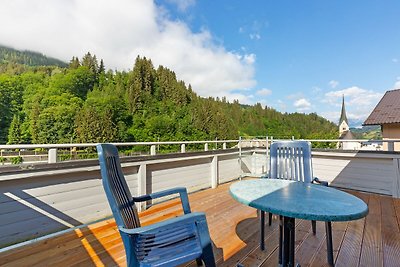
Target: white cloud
(295,96)
(183,5)
(359,103)
(281,106)
(118,31)
(316,89)
(242,98)
(255,36)
(264,92)
(302,105)
(333,84)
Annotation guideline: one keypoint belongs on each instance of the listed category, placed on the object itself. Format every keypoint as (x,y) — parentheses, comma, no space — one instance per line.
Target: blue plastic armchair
(291,160)
(168,243)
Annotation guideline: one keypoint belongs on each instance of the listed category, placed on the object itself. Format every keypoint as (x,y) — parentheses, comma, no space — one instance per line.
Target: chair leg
(328,227)
(207,254)
(314,227)
(199,262)
(208,257)
(269,218)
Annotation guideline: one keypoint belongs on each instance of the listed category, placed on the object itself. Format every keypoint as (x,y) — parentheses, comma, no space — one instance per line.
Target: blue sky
(291,55)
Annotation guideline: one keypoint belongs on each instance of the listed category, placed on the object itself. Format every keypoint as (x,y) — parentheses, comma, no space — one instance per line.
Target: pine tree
(15,131)
(74,63)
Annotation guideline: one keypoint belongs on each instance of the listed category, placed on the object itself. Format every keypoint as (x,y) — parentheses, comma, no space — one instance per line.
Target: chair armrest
(194,217)
(177,190)
(318,181)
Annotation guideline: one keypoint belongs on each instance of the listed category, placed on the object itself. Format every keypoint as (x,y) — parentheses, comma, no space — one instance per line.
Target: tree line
(84,102)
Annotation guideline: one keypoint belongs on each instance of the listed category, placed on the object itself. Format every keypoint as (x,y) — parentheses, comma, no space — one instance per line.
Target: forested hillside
(85,103)
(29,58)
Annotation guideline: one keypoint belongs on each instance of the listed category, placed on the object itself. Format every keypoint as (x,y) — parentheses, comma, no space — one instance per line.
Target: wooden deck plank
(310,245)
(371,250)
(390,233)
(234,230)
(252,239)
(338,232)
(350,249)
(257,256)
(303,228)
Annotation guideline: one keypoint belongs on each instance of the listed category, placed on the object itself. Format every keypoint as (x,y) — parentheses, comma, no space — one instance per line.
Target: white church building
(345,133)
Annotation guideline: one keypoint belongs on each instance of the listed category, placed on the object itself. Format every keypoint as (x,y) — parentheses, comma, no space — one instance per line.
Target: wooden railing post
(141,180)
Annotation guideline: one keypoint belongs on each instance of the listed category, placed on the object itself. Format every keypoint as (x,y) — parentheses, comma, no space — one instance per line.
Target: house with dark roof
(387,115)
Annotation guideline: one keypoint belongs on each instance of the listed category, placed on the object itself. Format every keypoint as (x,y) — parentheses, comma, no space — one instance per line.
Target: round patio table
(290,200)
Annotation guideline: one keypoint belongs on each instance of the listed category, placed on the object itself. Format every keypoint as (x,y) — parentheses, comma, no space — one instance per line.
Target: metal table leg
(288,242)
(280,238)
(328,227)
(262,229)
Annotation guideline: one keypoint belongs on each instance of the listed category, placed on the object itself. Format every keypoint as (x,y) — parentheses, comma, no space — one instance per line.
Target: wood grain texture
(234,229)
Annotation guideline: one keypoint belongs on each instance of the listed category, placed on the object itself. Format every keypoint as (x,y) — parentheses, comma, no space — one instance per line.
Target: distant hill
(84,103)
(367,132)
(29,58)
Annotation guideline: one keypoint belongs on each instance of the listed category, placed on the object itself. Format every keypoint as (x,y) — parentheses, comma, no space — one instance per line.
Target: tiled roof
(387,110)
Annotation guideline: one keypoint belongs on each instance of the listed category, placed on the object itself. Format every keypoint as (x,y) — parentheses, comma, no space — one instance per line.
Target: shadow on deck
(234,228)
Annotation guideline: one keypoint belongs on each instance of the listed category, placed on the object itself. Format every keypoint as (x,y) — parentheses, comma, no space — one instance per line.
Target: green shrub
(17,160)
(2,160)
(64,157)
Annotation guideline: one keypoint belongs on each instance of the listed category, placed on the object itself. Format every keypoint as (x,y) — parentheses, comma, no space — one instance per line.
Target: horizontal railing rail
(53,153)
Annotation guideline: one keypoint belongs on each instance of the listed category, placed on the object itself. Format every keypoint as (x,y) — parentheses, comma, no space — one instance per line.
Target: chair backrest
(291,160)
(117,191)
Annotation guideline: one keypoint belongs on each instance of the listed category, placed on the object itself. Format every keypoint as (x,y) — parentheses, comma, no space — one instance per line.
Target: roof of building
(387,111)
(347,135)
(343,116)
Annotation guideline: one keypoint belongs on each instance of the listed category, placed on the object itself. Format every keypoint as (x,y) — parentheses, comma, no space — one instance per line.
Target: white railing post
(396,179)
(52,155)
(141,180)
(254,163)
(266,156)
(224,146)
(390,146)
(152,150)
(206,147)
(214,172)
(183,148)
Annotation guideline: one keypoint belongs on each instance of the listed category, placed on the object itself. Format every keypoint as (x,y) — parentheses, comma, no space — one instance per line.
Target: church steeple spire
(343,116)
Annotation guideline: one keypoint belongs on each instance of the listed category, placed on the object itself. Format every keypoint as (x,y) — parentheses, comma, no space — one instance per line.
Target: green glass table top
(299,200)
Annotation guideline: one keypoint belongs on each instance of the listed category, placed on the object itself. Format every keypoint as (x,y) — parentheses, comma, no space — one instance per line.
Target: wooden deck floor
(234,228)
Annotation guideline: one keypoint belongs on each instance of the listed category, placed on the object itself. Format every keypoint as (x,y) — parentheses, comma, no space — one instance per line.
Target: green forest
(42,101)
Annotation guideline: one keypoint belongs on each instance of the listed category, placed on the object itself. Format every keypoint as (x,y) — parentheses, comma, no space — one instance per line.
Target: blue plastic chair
(291,160)
(168,243)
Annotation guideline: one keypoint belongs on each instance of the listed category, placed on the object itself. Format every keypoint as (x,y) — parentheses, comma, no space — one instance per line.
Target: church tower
(343,122)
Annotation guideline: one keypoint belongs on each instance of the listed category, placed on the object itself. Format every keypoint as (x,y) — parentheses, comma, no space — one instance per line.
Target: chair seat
(169,241)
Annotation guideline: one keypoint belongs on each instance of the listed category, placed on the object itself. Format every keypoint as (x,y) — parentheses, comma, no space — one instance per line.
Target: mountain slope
(30,58)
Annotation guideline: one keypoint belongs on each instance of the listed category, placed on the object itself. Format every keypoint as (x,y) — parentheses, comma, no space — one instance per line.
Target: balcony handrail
(72,145)
(32,146)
